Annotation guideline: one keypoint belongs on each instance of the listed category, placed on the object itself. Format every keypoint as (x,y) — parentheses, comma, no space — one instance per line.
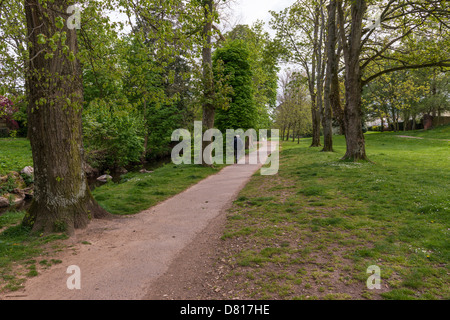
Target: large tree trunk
(353,113)
(208,79)
(62,199)
(320,69)
(331,62)
(335,94)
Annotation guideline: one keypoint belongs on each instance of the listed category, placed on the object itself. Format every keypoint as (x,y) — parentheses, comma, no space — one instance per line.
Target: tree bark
(352,112)
(315,112)
(144,153)
(208,105)
(293,132)
(320,70)
(331,62)
(335,90)
(288,132)
(62,198)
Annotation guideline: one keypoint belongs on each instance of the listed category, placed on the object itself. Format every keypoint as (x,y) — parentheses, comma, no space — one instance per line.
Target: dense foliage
(242,112)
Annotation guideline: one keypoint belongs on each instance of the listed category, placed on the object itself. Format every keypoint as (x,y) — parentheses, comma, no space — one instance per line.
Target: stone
(29,171)
(28,192)
(90,171)
(104,178)
(4,203)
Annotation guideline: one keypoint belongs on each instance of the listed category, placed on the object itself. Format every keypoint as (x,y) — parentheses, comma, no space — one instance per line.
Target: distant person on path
(238,148)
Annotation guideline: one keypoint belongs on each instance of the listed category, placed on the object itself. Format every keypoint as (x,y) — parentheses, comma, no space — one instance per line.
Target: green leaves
(59,22)
(41,39)
(236,67)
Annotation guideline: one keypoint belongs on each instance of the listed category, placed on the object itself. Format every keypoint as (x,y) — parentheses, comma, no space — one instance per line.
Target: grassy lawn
(15,154)
(312,231)
(441,133)
(309,232)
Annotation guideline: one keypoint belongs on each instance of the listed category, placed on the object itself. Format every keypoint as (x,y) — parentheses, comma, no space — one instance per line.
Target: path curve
(126,255)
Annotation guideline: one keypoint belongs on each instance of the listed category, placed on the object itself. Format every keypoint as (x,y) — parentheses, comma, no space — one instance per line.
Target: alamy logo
(374,14)
(74,281)
(264,152)
(74,21)
(374,281)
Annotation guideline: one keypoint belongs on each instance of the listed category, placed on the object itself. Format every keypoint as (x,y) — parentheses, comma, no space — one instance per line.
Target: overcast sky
(248,11)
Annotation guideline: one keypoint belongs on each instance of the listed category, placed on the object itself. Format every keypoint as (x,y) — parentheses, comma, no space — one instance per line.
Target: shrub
(7,111)
(112,135)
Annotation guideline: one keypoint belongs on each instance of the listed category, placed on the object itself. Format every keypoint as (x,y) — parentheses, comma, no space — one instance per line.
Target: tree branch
(443,63)
(222,38)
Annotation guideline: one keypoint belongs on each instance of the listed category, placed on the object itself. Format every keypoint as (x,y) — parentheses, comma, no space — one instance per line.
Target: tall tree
(208,77)
(62,201)
(300,29)
(352,112)
(331,102)
(394,36)
(263,60)
(292,116)
(241,113)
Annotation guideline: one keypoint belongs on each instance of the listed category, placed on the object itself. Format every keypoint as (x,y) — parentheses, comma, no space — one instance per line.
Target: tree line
(111,91)
(364,58)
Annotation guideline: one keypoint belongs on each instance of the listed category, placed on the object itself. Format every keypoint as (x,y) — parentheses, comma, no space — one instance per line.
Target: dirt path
(420,138)
(123,258)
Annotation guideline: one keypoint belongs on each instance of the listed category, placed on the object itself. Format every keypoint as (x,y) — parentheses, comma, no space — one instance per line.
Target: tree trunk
(208,106)
(62,199)
(320,73)
(353,113)
(144,153)
(335,94)
(405,120)
(331,57)
(288,132)
(293,133)
(315,112)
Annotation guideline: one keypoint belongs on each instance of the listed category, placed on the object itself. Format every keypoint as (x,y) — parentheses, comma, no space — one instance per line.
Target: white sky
(248,11)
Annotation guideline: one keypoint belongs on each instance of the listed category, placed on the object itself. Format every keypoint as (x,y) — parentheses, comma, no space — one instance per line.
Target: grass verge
(312,231)
(15,154)
(23,253)
(138,191)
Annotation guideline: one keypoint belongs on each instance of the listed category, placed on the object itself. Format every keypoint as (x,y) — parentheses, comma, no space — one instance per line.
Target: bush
(112,135)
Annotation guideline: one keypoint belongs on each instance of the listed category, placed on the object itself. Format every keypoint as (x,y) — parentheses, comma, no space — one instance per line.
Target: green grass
(20,247)
(309,232)
(15,154)
(441,132)
(325,214)
(138,191)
